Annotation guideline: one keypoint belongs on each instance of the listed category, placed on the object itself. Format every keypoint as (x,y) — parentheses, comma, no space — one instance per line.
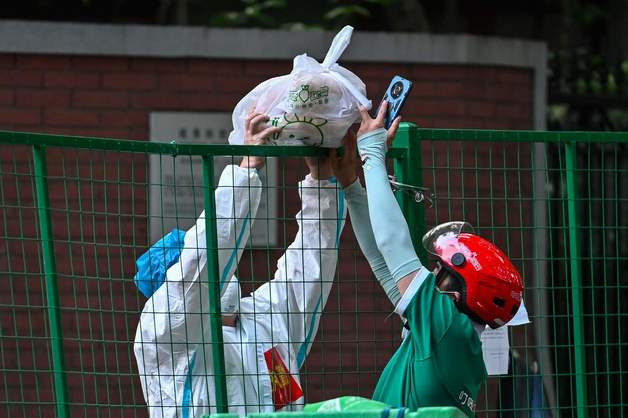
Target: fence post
(408,170)
(576,278)
(50,275)
(218,353)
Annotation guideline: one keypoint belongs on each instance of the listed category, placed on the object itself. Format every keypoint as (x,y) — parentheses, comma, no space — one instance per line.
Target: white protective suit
(173,344)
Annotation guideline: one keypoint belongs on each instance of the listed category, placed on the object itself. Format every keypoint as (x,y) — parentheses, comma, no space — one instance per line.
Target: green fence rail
(556,201)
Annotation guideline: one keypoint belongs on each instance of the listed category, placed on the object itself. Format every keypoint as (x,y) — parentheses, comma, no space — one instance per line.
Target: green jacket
(440,362)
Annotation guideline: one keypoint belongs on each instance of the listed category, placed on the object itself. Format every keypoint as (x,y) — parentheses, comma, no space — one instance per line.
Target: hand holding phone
(396,95)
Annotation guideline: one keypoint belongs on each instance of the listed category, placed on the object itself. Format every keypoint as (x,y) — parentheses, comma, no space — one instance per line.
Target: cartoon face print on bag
(298,130)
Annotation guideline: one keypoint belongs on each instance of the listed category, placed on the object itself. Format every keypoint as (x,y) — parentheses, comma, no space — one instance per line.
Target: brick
(524,95)
(421,88)
(209,102)
(158,65)
(213,66)
(58,130)
(500,91)
(505,123)
(156,100)
(375,89)
(6,96)
(442,122)
(377,71)
(71,79)
(439,107)
(268,69)
(240,85)
(7,60)
(139,134)
(100,63)
(186,82)
(474,90)
(449,88)
(13,116)
(507,75)
(100,99)
(36,97)
(512,111)
(124,118)
(439,72)
(521,123)
(43,62)
(129,81)
(20,78)
(480,108)
(482,73)
(119,133)
(475,123)
(71,117)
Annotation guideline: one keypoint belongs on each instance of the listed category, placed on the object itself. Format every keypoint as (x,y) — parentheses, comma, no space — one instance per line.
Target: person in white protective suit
(268,334)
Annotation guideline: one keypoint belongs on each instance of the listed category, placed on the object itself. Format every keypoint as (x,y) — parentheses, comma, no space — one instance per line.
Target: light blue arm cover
(355,195)
(389,226)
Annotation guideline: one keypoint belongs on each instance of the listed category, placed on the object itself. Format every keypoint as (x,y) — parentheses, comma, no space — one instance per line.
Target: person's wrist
(352,189)
(379,131)
(346,181)
(321,174)
(252,162)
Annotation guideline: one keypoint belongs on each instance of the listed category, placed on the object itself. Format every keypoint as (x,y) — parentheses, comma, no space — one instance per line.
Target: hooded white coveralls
(173,344)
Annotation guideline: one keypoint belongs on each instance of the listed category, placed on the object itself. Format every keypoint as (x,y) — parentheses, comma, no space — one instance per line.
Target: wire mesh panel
(100,212)
(492,186)
(516,195)
(25,355)
(557,209)
(602,201)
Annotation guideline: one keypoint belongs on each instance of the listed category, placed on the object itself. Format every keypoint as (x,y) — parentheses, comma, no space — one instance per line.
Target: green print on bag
(306,97)
(298,130)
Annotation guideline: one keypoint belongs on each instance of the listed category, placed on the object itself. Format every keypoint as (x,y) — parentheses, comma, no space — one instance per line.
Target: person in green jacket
(439,362)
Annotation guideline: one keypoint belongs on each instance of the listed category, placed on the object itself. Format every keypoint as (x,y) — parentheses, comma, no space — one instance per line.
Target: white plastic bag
(314,105)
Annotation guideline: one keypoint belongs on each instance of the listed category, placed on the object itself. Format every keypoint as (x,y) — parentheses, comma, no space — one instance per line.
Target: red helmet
(491,287)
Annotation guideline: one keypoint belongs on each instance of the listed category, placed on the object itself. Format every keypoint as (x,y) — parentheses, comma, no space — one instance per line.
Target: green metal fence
(76,214)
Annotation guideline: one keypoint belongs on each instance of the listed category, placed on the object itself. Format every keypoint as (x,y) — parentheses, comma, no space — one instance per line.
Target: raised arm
(389,226)
(237,200)
(355,195)
(305,272)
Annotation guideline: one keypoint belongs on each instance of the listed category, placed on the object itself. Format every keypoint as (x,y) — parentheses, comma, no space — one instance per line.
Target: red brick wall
(112,97)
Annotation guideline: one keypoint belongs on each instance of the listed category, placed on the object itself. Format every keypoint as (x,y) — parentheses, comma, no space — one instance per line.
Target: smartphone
(396,95)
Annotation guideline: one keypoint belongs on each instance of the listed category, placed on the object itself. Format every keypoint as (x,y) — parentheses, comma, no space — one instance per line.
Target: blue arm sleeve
(359,212)
(389,226)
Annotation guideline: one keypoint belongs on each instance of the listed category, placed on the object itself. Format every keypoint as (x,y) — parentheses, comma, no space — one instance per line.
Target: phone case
(396,95)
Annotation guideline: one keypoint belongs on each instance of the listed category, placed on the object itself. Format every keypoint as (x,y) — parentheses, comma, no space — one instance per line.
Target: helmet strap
(462,303)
